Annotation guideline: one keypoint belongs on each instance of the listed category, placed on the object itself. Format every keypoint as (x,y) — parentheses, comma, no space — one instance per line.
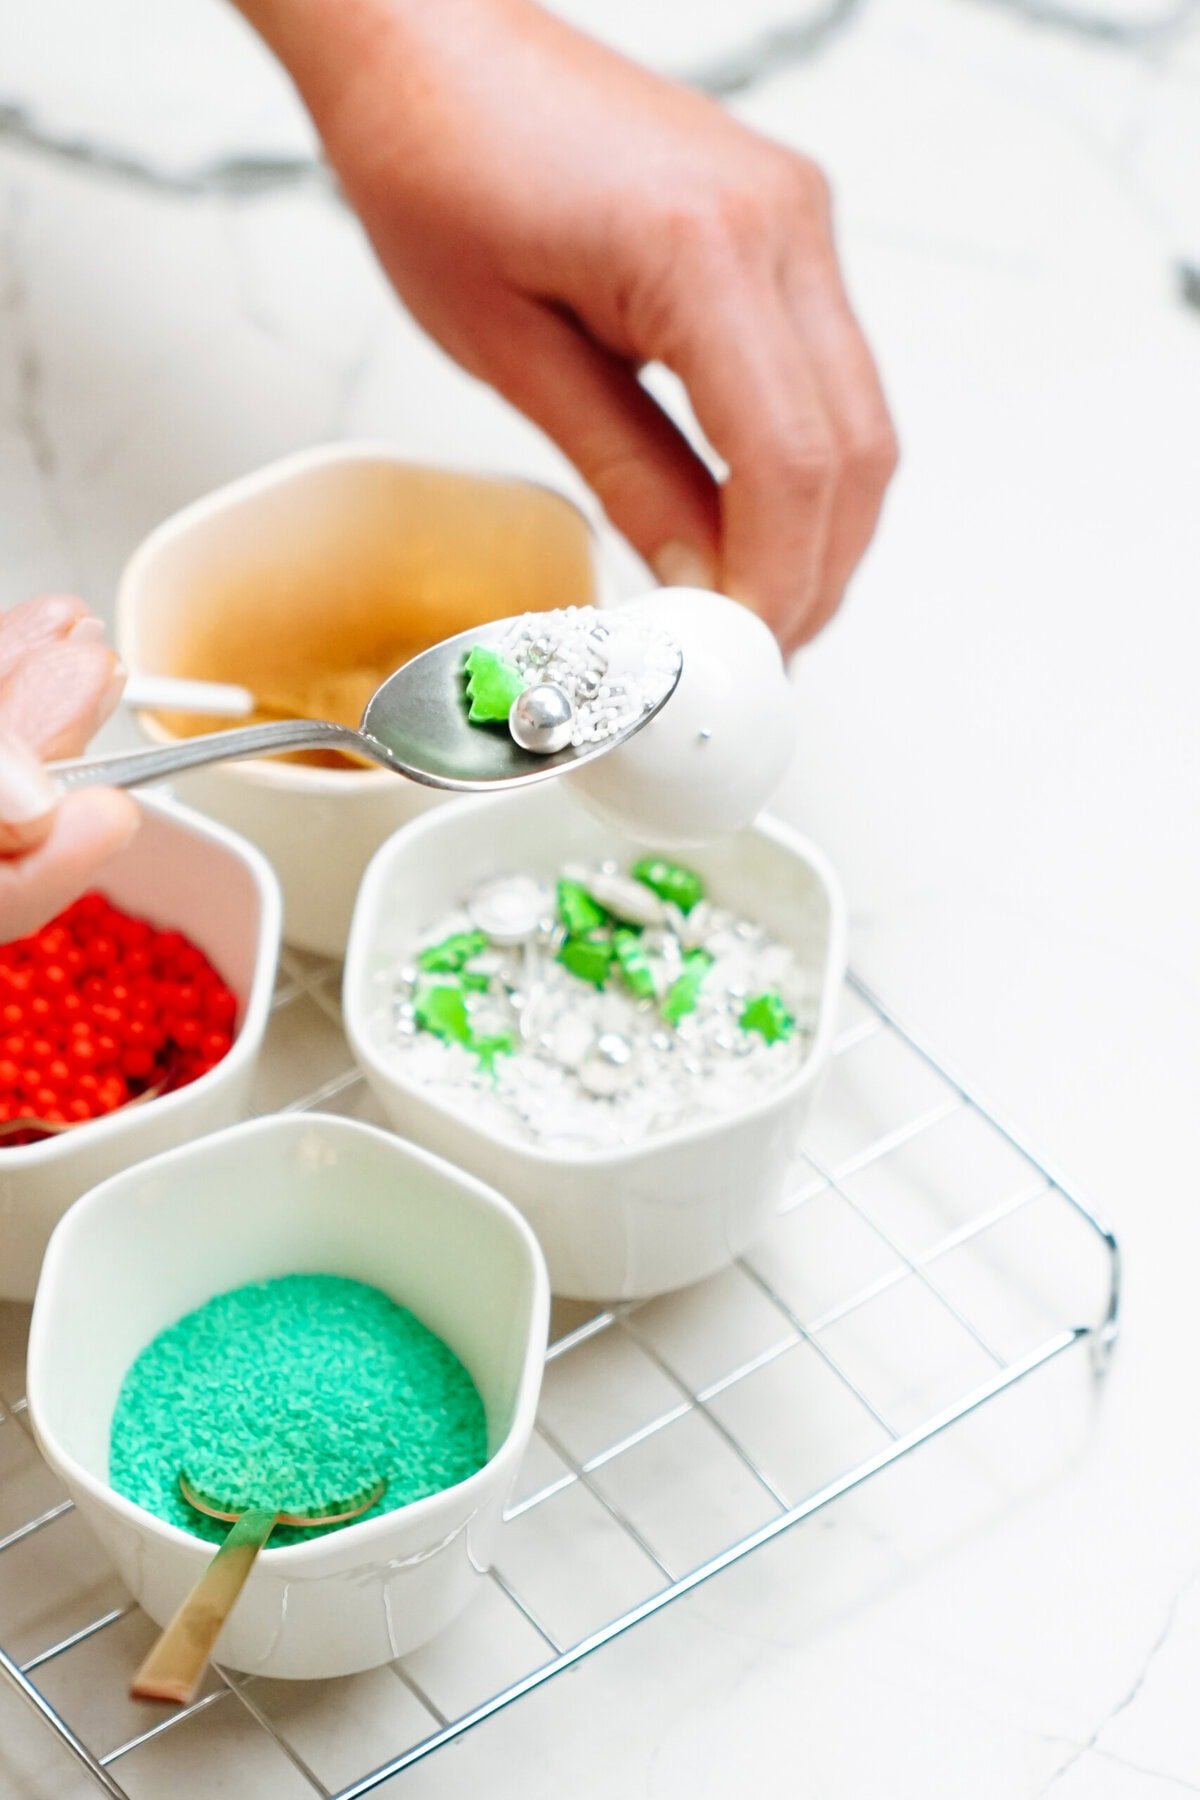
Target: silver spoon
(414,724)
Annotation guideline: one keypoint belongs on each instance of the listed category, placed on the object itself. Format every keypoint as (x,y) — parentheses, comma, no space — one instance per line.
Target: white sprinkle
(614,667)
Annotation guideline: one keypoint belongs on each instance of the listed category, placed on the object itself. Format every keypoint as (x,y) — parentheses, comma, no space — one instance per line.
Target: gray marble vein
(26,412)
(734,72)
(771,51)
(232,176)
(1135,1687)
(1188,274)
(27,362)
(1105,27)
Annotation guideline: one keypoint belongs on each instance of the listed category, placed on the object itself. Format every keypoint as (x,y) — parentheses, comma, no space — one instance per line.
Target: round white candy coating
(712,758)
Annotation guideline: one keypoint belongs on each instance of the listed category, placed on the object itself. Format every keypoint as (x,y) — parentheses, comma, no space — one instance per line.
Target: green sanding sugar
(297,1393)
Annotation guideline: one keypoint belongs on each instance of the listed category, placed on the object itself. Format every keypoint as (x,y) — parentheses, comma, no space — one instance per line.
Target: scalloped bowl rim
(292,1559)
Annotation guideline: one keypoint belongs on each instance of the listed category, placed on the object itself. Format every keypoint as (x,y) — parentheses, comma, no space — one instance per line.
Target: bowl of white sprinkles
(625,1045)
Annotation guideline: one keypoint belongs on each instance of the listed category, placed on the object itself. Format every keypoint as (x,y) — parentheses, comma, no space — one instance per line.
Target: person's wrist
(330,48)
(321,43)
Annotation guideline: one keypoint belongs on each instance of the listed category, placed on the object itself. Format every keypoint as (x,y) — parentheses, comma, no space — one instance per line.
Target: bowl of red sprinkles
(102,1009)
(131,1022)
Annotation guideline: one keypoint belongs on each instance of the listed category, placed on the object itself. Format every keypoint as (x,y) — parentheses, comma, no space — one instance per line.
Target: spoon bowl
(204,1503)
(177,1659)
(415,724)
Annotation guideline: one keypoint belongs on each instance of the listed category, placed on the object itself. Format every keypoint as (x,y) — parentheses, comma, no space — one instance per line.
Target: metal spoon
(415,724)
(179,1655)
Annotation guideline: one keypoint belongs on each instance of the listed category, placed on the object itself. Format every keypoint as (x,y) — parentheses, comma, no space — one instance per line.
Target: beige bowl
(301,580)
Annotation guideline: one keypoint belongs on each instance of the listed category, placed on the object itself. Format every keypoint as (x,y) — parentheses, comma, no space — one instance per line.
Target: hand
(557,217)
(58,684)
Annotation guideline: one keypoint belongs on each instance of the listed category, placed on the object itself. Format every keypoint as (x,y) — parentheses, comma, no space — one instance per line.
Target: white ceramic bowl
(346,541)
(629,1222)
(295,1193)
(184,872)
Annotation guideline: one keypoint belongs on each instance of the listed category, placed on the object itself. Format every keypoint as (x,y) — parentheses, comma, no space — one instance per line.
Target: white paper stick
(172,694)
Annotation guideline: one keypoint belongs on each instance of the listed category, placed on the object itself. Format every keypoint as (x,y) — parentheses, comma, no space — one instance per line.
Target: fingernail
(27,794)
(87,631)
(680,564)
(110,699)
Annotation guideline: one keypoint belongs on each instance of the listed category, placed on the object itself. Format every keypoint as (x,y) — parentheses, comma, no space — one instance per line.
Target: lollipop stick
(176,1663)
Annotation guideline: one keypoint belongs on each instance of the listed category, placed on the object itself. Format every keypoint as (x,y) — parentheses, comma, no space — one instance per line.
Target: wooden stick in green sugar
(176,1663)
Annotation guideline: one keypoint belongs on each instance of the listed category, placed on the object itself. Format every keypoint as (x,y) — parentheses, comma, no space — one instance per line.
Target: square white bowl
(344,532)
(297,1193)
(180,871)
(629,1222)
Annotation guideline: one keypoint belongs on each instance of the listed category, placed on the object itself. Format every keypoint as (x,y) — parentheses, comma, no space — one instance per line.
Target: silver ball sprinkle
(609,1067)
(542,719)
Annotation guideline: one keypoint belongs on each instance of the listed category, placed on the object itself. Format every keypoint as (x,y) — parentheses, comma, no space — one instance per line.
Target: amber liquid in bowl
(314,626)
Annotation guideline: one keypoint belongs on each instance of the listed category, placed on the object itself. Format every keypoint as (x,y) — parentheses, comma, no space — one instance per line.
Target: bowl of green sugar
(296,1302)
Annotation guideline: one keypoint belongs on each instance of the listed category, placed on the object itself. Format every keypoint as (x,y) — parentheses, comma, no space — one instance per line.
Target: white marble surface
(1000,748)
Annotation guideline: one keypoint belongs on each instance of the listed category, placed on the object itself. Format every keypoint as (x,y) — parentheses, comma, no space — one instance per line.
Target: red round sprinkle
(98,1007)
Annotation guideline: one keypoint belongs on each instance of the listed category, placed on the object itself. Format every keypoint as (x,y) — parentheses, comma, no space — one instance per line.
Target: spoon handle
(131,768)
(179,1657)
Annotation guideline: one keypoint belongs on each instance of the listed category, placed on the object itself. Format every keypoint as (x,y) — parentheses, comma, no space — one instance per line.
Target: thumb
(27,797)
(650,482)
(87,827)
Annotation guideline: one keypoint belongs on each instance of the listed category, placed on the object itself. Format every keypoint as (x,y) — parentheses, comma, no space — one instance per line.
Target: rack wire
(924,1262)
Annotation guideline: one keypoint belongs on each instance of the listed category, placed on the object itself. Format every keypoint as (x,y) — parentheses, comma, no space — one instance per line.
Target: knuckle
(804,187)
(704,229)
(615,474)
(687,227)
(807,464)
(746,211)
(742,218)
(872,457)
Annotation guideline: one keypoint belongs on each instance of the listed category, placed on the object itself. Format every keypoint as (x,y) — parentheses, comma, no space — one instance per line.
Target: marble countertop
(1000,748)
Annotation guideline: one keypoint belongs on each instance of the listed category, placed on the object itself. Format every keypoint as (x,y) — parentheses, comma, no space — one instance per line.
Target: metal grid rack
(924,1262)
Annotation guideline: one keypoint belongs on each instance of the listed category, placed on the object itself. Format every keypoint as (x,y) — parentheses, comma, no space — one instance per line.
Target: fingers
(59,694)
(864,442)
(87,828)
(27,798)
(35,623)
(758,401)
(58,683)
(649,480)
(751,314)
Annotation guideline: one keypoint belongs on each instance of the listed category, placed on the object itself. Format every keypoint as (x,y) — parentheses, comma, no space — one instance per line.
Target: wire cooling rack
(924,1262)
